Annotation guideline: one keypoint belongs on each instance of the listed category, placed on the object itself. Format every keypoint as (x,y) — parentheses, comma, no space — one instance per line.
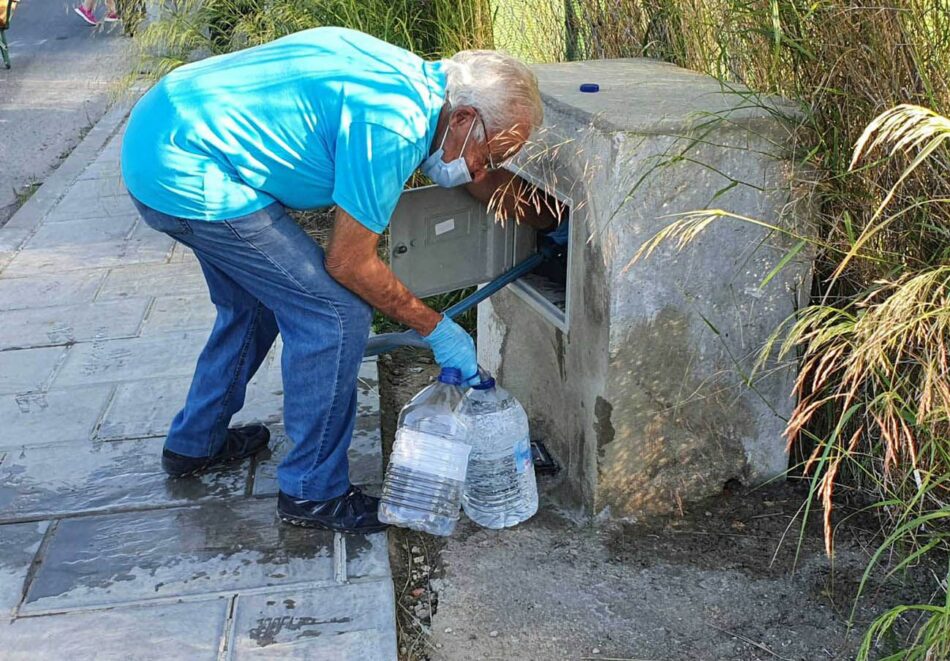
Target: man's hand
(352,261)
(453,347)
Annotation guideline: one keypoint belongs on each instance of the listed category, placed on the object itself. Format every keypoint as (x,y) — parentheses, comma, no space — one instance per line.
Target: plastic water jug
(500,490)
(426,473)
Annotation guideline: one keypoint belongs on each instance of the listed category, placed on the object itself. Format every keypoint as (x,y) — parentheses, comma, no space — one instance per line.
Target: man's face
(481,155)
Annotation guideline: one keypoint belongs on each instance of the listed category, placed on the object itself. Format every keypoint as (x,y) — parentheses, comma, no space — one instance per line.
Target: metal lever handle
(386,342)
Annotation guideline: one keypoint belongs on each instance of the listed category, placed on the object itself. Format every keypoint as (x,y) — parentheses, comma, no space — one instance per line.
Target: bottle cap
(486,384)
(451,375)
(590,87)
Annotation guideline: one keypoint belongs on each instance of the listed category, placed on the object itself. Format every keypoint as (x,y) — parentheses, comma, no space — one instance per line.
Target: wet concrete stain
(183,550)
(596,300)
(679,433)
(113,475)
(559,351)
(603,428)
(268,628)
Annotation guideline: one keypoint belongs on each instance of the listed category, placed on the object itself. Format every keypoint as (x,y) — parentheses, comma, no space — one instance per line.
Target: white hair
(502,88)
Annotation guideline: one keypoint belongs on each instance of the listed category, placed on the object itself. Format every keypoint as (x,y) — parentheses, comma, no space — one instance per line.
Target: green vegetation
(874,395)
(192,29)
(26,192)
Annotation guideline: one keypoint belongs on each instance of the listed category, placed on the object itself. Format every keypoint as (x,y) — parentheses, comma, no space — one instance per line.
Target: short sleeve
(371,166)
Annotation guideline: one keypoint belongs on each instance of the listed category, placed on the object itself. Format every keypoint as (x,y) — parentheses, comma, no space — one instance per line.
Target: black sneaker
(353,512)
(241,442)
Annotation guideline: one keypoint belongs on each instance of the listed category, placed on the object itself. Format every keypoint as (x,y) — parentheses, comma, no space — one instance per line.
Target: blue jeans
(266,275)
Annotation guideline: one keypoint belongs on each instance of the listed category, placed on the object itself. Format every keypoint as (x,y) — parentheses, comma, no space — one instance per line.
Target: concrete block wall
(646,399)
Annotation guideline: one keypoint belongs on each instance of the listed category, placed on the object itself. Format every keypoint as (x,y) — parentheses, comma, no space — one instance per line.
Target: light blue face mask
(448,175)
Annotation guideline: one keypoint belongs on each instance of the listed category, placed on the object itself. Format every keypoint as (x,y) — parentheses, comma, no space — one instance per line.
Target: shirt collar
(436,80)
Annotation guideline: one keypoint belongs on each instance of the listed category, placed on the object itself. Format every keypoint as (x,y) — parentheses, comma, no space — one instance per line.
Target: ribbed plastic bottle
(500,490)
(426,474)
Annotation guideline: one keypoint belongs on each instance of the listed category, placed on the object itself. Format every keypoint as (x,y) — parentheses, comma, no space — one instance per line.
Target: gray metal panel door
(442,239)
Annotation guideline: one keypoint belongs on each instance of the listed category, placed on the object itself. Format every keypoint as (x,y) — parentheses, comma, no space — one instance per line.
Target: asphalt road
(64,77)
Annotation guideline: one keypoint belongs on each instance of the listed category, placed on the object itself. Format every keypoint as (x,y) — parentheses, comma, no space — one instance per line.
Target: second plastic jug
(426,473)
(500,490)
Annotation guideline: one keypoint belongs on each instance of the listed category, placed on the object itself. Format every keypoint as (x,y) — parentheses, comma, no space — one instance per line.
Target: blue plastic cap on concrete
(451,375)
(590,87)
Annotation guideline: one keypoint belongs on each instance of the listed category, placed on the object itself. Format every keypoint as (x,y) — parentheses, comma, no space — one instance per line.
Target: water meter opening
(547,288)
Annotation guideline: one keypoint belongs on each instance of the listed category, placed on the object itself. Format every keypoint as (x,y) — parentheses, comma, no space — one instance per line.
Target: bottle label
(523,455)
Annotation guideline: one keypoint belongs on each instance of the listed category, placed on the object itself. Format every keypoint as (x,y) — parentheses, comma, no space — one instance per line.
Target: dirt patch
(415,558)
(317,223)
(727,579)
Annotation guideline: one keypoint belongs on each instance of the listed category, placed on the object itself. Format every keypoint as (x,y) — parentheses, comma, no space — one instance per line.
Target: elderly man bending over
(212,156)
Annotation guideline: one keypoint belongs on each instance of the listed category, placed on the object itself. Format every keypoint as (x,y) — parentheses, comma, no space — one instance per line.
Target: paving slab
(182,254)
(180,313)
(88,244)
(153,280)
(18,545)
(104,199)
(28,370)
(367,556)
(66,324)
(146,408)
(351,622)
(365,455)
(367,387)
(109,361)
(264,401)
(51,417)
(69,479)
(186,631)
(48,290)
(105,168)
(142,409)
(80,233)
(219,547)
(109,184)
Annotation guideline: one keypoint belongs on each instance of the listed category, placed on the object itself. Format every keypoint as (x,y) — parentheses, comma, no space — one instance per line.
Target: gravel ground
(720,582)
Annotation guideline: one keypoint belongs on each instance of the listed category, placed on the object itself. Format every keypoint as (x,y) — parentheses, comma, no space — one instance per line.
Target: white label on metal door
(445,226)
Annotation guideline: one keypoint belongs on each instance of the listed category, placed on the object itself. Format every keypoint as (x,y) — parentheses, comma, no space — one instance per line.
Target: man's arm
(513,197)
(352,261)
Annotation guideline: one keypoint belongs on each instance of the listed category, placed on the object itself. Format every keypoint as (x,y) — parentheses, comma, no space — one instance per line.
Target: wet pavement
(102,556)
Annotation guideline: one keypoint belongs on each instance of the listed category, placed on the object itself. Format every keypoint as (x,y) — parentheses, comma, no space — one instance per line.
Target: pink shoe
(87,15)
(111,17)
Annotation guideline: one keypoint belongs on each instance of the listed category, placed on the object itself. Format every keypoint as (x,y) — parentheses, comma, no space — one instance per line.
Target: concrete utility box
(636,376)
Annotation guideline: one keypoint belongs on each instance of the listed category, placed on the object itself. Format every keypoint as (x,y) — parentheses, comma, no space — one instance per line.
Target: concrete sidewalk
(101,555)
(63,75)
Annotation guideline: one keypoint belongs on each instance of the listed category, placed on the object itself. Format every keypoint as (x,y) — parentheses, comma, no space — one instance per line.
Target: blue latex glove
(453,347)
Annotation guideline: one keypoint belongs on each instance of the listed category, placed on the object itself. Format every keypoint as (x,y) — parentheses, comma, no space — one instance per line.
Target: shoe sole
(84,17)
(307,523)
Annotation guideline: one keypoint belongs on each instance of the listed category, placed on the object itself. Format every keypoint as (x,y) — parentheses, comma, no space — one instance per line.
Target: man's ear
(461,116)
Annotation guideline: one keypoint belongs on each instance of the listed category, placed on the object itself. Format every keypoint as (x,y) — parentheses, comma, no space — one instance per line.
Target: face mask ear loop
(467,136)
(445,134)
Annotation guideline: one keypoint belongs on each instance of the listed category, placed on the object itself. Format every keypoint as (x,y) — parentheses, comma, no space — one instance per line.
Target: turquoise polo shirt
(321,117)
